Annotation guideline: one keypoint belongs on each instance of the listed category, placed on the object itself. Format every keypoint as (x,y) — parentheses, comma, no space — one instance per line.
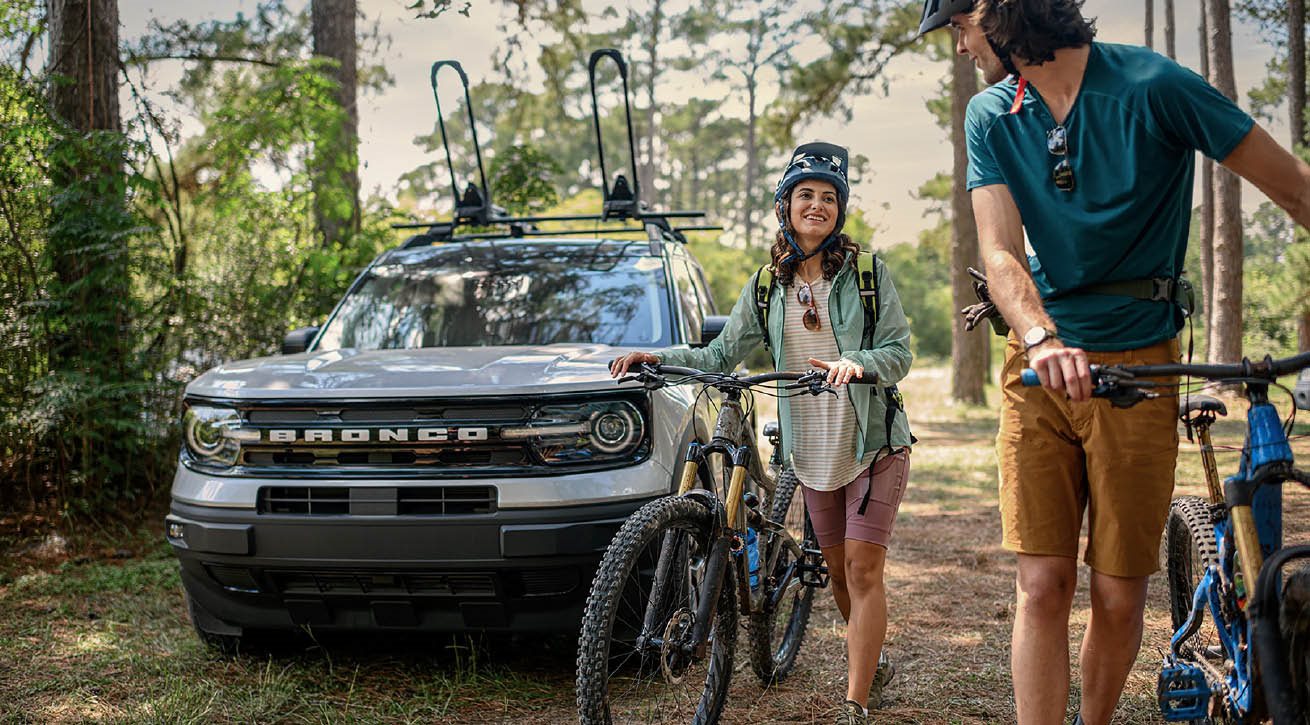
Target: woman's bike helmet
(818,160)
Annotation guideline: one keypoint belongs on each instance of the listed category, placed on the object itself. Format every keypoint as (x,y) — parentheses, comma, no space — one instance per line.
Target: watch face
(1035,335)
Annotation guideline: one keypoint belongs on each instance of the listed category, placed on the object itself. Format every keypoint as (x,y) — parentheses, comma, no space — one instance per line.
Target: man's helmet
(818,160)
(937,13)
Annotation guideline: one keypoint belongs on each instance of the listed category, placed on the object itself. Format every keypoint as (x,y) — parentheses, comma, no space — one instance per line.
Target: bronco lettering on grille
(369,435)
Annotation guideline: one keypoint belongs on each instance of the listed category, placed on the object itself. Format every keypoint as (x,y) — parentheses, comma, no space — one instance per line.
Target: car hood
(421,373)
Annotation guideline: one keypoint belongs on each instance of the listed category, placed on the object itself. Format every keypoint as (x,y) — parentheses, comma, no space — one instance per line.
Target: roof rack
(622,201)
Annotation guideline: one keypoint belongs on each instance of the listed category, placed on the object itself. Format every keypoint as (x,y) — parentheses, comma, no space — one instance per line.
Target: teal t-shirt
(1132,133)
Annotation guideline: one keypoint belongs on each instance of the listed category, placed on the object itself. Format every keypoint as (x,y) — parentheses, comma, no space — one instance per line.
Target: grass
(99,633)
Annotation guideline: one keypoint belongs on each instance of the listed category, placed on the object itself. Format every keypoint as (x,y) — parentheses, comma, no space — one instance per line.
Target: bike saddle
(1202,403)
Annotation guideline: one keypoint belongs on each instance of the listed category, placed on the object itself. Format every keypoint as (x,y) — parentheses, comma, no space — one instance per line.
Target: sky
(895,131)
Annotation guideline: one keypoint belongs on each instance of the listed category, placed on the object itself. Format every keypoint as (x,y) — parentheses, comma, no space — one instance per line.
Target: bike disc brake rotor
(674,657)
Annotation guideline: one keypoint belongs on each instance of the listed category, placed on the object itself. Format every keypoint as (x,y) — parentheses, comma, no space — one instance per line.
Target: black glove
(985,309)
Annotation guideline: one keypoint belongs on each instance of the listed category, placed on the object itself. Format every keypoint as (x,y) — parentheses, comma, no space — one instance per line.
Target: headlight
(583,433)
(209,434)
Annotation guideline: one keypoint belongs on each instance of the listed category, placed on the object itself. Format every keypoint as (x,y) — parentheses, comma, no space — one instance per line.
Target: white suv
(448,451)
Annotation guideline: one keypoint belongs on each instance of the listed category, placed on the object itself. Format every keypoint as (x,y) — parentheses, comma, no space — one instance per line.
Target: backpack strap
(762,282)
(866,276)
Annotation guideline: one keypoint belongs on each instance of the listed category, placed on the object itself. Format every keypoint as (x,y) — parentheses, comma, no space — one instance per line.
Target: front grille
(385,455)
(377,501)
(358,583)
(413,439)
(312,501)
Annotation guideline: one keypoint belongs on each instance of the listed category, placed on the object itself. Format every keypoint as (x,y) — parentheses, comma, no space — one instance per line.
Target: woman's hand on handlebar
(619,366)
(840,371)
(1062,368)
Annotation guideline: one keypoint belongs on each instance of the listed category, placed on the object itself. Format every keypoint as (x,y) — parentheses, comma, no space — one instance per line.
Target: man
(1089,148)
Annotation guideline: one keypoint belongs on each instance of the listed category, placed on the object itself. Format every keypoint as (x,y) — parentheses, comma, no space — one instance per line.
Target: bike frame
(1249,534)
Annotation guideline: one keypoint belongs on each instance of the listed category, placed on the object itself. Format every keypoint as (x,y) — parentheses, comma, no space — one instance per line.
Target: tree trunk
(1205,215)
(752,158)
(336,176)
(1169,48)
(1150,23)
(93,275)
(646,167)
(1296,69)
(1296,110)
(91,303)
(1226,313)
(968,349)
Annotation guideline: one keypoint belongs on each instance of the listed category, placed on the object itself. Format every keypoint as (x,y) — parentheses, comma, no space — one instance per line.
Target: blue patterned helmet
(818,160)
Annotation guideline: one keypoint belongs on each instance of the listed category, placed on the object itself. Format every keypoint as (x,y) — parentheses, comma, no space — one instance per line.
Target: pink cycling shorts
(836,514)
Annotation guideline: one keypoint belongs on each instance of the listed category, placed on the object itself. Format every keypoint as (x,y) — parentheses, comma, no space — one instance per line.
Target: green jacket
(890,356)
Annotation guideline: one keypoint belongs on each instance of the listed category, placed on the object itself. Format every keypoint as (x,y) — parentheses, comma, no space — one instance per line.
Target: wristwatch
(1035,336)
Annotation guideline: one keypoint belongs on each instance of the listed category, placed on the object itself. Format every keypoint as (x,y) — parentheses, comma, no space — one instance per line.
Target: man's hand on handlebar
(619,366)
(1062,368)
(840,371)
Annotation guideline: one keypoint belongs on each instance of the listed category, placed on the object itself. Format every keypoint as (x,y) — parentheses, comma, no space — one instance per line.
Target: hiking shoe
(881,678)
(851,714)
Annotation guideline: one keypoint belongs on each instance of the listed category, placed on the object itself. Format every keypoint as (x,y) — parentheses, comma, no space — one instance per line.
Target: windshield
(525,294)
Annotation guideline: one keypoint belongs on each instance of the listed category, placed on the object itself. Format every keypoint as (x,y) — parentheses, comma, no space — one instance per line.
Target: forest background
(184,192)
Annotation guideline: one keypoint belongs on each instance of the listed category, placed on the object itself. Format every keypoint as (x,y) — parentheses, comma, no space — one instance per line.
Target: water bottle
(753,556)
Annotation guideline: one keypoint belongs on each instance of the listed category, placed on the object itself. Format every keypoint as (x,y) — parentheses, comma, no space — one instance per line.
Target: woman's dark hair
(1032,30)
(833,257)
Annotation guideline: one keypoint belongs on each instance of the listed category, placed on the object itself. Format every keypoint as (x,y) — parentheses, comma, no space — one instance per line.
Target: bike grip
(865,379)
(1029,377)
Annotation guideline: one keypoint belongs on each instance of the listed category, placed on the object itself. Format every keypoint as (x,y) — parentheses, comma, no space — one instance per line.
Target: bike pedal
(1183,692)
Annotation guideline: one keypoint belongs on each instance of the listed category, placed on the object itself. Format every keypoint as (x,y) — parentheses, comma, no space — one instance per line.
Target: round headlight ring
(616,430)
(204,429)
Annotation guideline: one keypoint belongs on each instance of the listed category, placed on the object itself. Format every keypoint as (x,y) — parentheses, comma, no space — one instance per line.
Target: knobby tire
(775,635)
(616,682)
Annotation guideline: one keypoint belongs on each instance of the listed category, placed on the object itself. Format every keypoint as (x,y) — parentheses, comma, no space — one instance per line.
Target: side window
(703,287)
(688,299)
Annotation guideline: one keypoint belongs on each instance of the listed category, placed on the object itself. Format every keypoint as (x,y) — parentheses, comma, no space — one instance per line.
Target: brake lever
(817,387)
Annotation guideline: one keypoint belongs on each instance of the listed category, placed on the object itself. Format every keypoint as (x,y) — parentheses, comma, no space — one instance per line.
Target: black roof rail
(622,201)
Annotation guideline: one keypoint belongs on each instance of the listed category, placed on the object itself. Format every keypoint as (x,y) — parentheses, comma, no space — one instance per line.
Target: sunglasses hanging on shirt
(1057,142)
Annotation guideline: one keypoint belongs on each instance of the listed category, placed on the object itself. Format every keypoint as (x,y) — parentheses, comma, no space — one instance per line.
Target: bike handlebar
(811,377)
(1268,369)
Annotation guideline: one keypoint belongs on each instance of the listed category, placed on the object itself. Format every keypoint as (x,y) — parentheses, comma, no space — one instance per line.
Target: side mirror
(297,340)
(711,328)
(1301,393)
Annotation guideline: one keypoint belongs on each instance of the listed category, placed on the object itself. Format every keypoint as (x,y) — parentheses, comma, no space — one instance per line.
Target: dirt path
(102,635)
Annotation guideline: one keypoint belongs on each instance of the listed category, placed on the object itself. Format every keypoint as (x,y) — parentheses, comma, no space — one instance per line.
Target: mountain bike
(1224,555)
(660,627)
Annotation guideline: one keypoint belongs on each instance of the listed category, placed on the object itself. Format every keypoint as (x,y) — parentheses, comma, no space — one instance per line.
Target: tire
(615,681)
(1294,623)
(775,634)
(1190,548)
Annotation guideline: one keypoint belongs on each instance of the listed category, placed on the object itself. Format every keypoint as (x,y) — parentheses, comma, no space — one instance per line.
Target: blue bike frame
(1221,591)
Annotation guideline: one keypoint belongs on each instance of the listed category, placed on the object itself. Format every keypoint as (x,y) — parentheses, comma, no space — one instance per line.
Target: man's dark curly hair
(1032,30)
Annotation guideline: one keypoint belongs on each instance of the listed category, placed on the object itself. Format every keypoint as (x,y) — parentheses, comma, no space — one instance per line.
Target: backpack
(866,276)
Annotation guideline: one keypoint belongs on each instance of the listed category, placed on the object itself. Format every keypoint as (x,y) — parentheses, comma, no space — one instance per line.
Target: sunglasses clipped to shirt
(805,296)
(1057,143)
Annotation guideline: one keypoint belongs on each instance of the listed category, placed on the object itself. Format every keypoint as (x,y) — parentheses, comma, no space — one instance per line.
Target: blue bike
(1225,556)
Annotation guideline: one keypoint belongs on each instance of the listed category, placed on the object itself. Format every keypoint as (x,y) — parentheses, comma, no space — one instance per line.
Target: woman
(852,464)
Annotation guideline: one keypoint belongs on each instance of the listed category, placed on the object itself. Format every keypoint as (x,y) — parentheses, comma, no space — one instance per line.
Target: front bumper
(511,570)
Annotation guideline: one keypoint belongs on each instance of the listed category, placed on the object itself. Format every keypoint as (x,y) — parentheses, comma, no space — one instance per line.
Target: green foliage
(522,180)
(1276,282)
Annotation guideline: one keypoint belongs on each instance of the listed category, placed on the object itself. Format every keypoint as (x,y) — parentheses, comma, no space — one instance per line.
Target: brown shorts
(1057,458)
(836,514)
